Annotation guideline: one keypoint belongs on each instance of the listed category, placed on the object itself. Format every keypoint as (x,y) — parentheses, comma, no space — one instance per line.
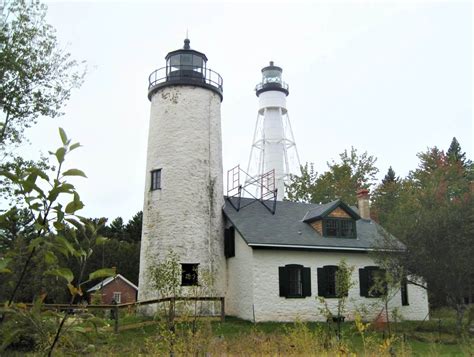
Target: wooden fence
(116,307)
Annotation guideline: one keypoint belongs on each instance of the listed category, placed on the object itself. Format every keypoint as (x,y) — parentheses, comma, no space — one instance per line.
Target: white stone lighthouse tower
(183,202)
(273,146)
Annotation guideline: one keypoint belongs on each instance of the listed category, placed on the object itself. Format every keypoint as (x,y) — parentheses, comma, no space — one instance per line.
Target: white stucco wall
(269,306)
(240,292)
(185,215)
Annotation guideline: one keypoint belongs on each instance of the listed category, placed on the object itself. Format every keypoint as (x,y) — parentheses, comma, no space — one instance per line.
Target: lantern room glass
(186,62)
(271,76)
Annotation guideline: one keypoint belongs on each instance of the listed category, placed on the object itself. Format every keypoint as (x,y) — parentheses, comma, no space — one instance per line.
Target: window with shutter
(327,281)
(294,281)
(372,282)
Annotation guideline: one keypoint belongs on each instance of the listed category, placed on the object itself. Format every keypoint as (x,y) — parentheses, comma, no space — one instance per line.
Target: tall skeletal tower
(183,200)
(273,146)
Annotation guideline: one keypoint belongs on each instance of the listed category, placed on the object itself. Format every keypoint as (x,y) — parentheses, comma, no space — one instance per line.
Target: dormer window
(339,228)
(334,220)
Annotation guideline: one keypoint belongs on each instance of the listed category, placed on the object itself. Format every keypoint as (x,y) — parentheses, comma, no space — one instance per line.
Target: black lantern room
(185,67)
(271,80)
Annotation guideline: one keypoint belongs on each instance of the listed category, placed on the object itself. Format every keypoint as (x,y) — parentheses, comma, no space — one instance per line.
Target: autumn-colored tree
(342,180)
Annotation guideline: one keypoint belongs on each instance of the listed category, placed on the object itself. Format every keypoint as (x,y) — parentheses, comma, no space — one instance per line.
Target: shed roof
(287,228)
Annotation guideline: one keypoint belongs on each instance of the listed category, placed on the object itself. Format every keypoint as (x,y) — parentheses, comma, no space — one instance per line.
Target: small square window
(117,297)
(156,180)
(189,274)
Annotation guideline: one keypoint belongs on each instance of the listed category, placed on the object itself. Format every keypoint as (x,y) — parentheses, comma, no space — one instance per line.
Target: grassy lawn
(145,336)
(239,337)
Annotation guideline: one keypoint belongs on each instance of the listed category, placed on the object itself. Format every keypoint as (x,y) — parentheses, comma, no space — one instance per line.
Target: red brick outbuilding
(116,288)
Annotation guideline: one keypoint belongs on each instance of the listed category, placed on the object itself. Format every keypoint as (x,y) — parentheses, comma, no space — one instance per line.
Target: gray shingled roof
(323,210)
(286,229)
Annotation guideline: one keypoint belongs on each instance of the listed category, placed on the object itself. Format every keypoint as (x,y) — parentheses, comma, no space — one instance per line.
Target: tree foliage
(432,213)
(342,180)
(36,75)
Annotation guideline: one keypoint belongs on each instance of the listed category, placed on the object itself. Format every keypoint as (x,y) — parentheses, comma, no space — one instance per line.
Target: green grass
(414,338)
(141,335)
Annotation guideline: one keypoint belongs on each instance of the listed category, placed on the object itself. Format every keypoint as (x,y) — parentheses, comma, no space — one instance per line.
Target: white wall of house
(240,290)
(261,287)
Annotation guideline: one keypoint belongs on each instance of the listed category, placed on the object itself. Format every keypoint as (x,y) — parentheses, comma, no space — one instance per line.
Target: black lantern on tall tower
(271,80)
(187,67)
(185,63)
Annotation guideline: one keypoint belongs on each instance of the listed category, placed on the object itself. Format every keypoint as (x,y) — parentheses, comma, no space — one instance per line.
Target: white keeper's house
(270,259)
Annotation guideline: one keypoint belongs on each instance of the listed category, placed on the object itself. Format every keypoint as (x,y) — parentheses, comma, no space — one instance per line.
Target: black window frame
(367,279)
(155,183)
(336,225)
(290,287)
(327,281)
(189,274)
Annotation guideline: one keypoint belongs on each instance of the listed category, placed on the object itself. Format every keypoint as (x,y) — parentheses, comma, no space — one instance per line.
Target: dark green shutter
(283,279)
(404,291)
(306,280)
(322,282)
(229,242)
(364,282)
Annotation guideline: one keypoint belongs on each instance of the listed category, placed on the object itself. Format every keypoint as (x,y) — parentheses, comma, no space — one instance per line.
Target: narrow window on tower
(189,274)
(155,180)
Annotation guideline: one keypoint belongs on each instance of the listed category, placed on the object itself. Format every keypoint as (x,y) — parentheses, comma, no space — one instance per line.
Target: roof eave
(319,247)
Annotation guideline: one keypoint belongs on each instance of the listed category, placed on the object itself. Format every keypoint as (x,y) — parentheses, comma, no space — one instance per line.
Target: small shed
(116,288)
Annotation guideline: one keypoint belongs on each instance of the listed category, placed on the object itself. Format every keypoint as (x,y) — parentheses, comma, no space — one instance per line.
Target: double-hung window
(372,282)
(327,281)
(155,180)
(294,281)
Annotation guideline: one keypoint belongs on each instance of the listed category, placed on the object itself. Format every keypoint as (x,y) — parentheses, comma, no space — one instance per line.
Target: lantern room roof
(186,49)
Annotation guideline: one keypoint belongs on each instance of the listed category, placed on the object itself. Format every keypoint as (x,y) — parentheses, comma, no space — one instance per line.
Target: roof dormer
(333,220)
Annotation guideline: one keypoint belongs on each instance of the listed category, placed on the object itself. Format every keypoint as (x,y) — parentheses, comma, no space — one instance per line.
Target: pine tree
(390,176)
(454,152)
(385,196)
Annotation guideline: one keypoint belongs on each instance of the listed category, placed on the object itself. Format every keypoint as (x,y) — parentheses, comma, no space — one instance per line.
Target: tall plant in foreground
(57,230)
(344,283)
(186,337)
(41,194)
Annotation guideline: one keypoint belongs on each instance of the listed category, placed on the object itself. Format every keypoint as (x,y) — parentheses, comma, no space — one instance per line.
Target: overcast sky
(390,79)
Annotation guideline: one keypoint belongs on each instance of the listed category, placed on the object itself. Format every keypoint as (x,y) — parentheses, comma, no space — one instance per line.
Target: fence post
(116,325)
(222,309)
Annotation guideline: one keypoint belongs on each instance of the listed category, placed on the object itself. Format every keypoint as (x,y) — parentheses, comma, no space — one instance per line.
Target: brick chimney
(363,203)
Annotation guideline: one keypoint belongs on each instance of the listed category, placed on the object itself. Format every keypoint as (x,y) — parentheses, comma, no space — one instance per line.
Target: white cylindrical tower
(182,209)
(273,145)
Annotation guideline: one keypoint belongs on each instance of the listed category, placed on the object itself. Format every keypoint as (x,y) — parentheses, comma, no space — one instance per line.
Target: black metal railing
(270,84)
(185,74)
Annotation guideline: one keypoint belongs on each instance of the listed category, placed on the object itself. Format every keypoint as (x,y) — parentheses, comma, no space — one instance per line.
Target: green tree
(133,228)
(342,180)
(434,217)
(455,153)
(36,75)
(385,196)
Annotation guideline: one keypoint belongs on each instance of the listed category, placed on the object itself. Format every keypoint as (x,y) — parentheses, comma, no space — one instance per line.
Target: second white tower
(273,146)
